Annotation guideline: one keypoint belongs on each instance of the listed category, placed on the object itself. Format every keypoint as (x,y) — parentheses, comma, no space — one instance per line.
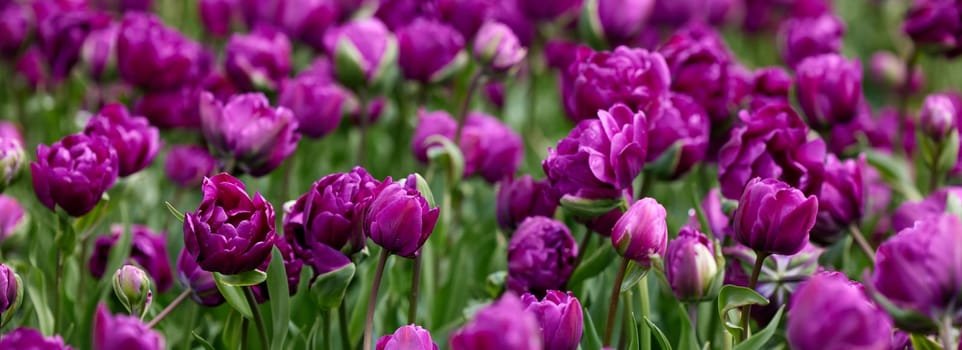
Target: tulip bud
(12,158)
(431,123)
(399,218)
(99,51)
(156,57)
(842,199)
(12,217)
(803,37)
(132,287)
(187,166)
(14,27)
(690,265)
(410,337)
(832,296)
(641,232)
(560,316)
(11,293)
(541,256)
(773,217)
(361,50)
(29,338)
(318,105)
(938,116)
(505,324)
(217,15)
(497,48)
(429,51)
(547,10)
(934,25)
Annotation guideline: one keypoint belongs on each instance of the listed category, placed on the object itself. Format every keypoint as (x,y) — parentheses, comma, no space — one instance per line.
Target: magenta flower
(541,256)
(147,248)
(599,80)
(74,173)
(560,317)
(155,57)
(429,51)
(399,219)
(521,198)
(832,296)
(203,288)
(122,332)
(505,324)
(135,141)
(774,218)
(410,337)
(29,338)
(641,232)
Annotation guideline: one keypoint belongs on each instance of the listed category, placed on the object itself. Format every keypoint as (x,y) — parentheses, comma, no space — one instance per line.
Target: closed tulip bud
(132,287)
(203,288)
(74,173)
(136,142)
(842,200)
(230,232)
(12,158)
(773,217)
(541,256)
(497,48)
(317,104)
(889,69)
(690,265)
(410,337)
(803,37)
(171,109)
(641,232)
(831,296)
(560,317)
(31,68)
(155,57)
(259,60)
(399,219)
(938,115)
(11,293)
(505,324)
(121,332)
(429,51)
(829,89)
(598,80)
(360,50)
(187,166)
(431,123)
(522,198)
(29,338)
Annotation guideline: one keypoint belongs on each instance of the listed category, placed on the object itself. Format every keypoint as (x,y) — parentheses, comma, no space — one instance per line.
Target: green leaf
(635,273)
(234,296)
(895,172)
(733,297)
(66,237)
(632,331)
(121,250)
(589,25)
(35,291)
(425,189)
(688,339)
(177,214)
(588,208)
(347,64)
(921,342)
(593,265)
(233,333)
(203,342)
(659,335)
(243,279)
(280,299)
(328,289)
(591,339)
(758,340)
(449,154)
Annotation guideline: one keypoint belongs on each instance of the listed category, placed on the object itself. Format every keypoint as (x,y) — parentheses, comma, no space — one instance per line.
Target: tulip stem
(613,304)
(369,323)
(747,309)
(415,288)
(644,336)
(170,307)
(945,332)
(258,320)
(862,243)
(466,103)
(342,326)
(326,318)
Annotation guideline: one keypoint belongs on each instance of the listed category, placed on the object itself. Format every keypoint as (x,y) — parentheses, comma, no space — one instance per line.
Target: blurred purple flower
(841,201)
(504,324)
(29,338)
(122,332)
(14,26)
(621,20)
(155,57)
(832,296)
(431,123)
(599,80)
(521,198)
(135,141)
(99,51)
(910,212)
(12,216)
(803,37)
(258,60)
(61,37)
(676,13)
(410,337)
(429,51)
(541,256)
(187,166)
(829,89)
(547,11)
(770,85)
(935,24)
(147,248)
(317,104)
(366,42)
(560,317)
(491,149)
(203,288)
(217,15)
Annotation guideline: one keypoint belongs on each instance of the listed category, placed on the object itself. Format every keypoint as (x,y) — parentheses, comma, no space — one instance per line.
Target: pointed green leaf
(588,208)
(83,223)
(425,190)
(280,299)
(234,296)
(733,297)
(632,331)
(593,265)
(203,342)
(688,339)
(36,291)
(449,154)
(921,342)
(328,289)
(177,214)
(233,333)
(591,339)
(635,273)
(758,340)
(659,335)
(243,279)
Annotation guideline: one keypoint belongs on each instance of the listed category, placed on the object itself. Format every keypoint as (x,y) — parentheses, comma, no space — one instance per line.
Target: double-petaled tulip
(187,166)
(229,233)
(700,67)
(938,116)
(153,56)
(491,149)
(780,275)
(99,52)
(14,27)
(832,296)
(677,137)
(429,51)
(12,158)
(497,48)
(829,89)
(135,141)
(641,232)
(132,287)
(690,265)
(521,198)
(770,85)
(317,104)
(147,248)
(803,37)
(547,11)
(258,60)
(360,50)
(61,37)
(410,337)
(920,270)
(773,142)
(560,317)
(399,219)
(217,15)
(505,324)
(599,80)
(431,123)
(541,256)
(74,172)
(249,131)
(773,217)
(121,332)
(29,338)
(935,25)
(841,201)
(203,288)
(12,216)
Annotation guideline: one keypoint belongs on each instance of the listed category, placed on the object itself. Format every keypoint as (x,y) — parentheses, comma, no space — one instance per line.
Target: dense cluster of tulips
(509,174)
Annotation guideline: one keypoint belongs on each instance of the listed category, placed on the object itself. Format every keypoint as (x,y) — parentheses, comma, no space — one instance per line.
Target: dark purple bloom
(307,20)
(521,198)
(62,35)
(497,48)
(641,232)
(770,85)
(935,24)
(599,80)
(217,15)
(548,10)
(10,290)
(841,201)
(99,50)
(171,109)
(318,105)
(365,43)
(466,16)
(122,332)
(29,338)
(229,232)
(187,166)
(14,27)
(147,248)
(136,142)
(491,149)
(675,13)
(910,212)
(621,20)
(74,173)
(258,60)
(203,288)
(429,51)
(248,130)
(560,317)
(505,324)
(829,89)
(31,67)
(293,264)
(803,37)
(690,265)
(541,256)
(155,57)
(856,323)
(398,13)
(122,6)
(433,123)
(679,131)
(772,143)
(12,216)
(410,337)
(774,218)
(399,219)
(509,13)
(699,64)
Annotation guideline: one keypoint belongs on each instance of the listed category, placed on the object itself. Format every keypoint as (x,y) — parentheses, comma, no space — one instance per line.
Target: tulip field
(481,174)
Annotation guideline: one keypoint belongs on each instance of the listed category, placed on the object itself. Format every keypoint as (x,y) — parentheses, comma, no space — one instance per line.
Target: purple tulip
(147,248)
(120,332)
(920,268)
(399,13)
(842,199)
(430,124)
(934,24)
(699,64)
(491,149)
(259,60)
(306,20)
(829,89)
(680,131)
(690,265)
(99,49)
(187,166)
(599,80)
(399,219)
(773,217)
(718,221)
(171,109)
(30,66)
(880,131)
(217,15)
(676,13)
(938,116)
(317,105)
(11,292)
(617,24)
(547,11)
(641,232)
(366,44)
(803,37)
(772,143)
(910,212)
(155,57)
(74,173)
(136,142)
(229,233)
(12,216)
(832,296)
(429,51)
(248,130)
(14,27)
(780,276)
(521,198)
(505,324)
(771,85)
(203,288)
(497,48)
(122,6)
(29,338)
(541,256)
(509,13)
(61,37)
(466,16)
(410,337)
(889,69)
(9,130)
(560,317)
(293,264)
